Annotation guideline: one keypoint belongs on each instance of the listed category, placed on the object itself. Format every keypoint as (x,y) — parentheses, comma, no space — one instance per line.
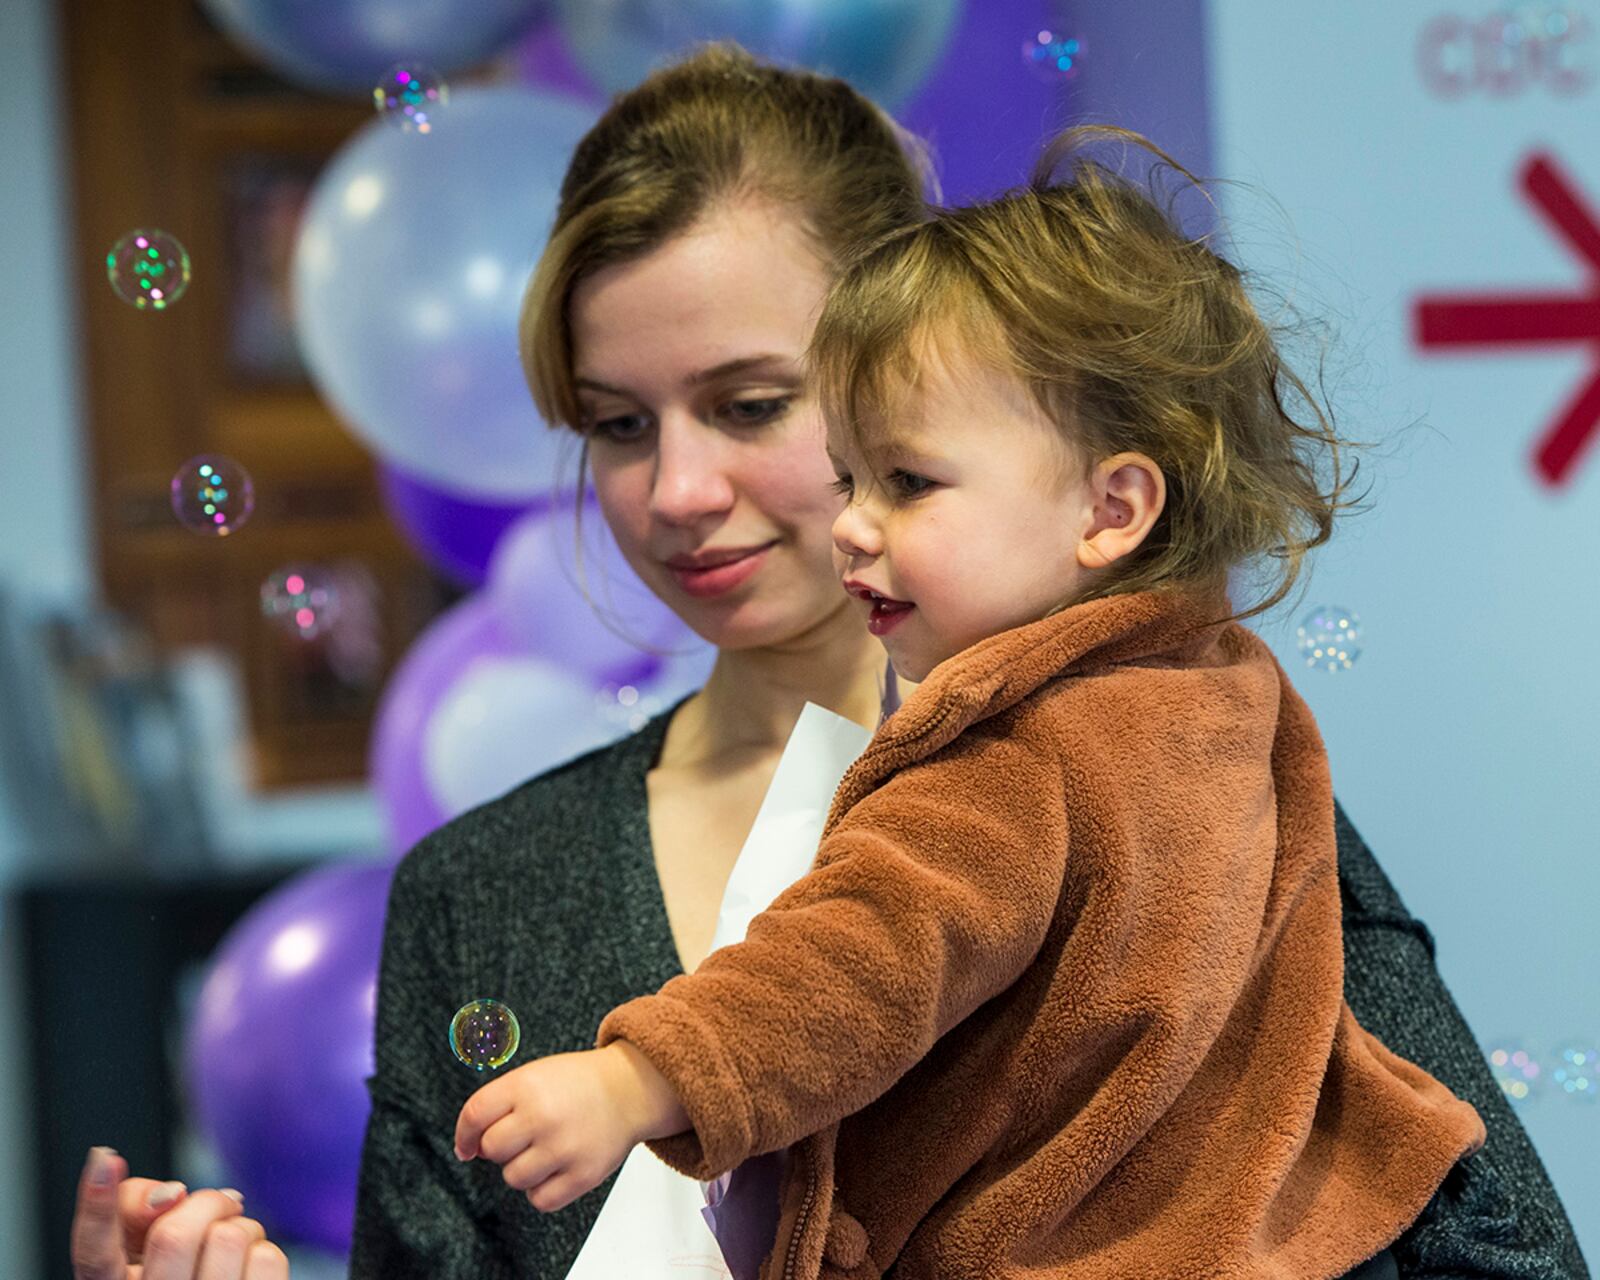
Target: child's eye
(623,429)
(908,484)
(843,486)
(752,413)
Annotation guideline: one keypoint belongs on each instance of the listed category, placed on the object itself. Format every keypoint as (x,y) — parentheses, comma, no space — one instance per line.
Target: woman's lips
(719,578)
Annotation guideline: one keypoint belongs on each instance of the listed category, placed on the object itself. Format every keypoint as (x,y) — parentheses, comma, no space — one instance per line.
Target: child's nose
(855,533)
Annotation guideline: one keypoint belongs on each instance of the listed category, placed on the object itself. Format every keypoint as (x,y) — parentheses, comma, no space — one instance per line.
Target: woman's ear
(1127,492)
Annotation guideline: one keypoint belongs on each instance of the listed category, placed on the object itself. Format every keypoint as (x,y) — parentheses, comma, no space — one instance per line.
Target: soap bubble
(1329,638)
(484,1034)
(1516,1070)
(1052,55)
(148,268)
(302,599)
(410,95)
(212,495)
(1576,1071)
(626,707)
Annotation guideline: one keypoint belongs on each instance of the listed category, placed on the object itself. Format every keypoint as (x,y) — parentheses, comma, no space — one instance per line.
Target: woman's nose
(691,479)
(856,533)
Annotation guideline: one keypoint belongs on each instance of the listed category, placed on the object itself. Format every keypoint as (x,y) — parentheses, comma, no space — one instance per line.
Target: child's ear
(1128,493)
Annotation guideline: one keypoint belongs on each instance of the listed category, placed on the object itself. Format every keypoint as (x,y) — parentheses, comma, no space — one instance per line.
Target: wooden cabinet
(171,126)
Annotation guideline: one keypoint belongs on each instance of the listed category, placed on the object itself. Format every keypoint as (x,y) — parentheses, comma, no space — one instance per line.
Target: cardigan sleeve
(420,1214)
(928,897)
(1497,1213)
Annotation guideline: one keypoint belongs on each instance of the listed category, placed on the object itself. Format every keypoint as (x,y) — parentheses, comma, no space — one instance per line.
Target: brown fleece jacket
(1062,992)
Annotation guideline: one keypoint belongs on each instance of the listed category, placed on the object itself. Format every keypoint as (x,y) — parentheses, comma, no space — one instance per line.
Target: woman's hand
(117,1234)
(560,1126)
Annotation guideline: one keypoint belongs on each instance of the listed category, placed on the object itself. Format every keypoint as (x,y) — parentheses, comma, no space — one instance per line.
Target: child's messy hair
(1130,335)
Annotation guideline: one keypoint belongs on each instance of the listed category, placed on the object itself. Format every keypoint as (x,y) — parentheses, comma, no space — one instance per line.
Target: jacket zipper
(800,1219)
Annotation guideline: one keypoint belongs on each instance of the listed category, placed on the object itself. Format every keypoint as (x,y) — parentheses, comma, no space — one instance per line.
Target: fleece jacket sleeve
(928,897)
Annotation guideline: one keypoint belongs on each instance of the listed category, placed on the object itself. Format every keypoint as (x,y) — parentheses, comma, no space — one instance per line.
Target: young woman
(700,224)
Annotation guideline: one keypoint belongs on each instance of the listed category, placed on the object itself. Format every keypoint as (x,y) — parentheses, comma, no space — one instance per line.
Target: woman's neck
(753,697)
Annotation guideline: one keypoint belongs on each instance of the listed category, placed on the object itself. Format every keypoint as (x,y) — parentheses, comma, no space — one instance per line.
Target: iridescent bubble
(212,495)
(410,94)
(1052,55)
(1575,1071)
(484,1034)
(1517,1071)
(1329,637)
(624,706)
(302,599)
(148,268)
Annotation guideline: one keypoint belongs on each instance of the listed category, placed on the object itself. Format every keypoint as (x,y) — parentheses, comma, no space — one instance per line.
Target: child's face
(970,523)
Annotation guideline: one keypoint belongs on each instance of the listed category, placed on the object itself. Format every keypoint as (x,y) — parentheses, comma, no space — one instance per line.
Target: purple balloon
(543,60)
(464,633)
(454,533)
(534,584)
(280,1046)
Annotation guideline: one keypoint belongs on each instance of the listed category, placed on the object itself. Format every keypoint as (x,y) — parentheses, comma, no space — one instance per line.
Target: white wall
(1464,741)
(44,536)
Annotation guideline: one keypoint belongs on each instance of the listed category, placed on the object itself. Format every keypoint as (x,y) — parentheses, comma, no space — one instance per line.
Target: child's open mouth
(887,612)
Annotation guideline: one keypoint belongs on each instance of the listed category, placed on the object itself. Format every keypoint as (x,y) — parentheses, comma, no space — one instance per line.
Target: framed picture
(263,199)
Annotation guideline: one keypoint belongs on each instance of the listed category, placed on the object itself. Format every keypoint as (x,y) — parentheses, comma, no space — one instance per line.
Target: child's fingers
(533,1166)
(484,1108)
(557,1192)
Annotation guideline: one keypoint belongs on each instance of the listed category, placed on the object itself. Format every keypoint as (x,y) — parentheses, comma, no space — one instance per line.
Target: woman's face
(706,449)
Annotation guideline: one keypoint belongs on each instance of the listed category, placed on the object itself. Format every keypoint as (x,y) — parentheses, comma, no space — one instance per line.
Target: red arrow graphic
(1535,319)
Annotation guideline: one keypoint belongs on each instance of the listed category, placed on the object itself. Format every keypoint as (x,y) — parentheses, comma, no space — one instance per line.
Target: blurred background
(287,566)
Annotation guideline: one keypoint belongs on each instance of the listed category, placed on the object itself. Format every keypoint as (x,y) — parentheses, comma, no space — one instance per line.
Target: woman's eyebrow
(739,365)
(699,378)
(591,384)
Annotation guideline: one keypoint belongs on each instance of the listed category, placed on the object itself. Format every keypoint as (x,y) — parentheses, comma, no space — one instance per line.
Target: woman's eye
(908,484)
(622,429)
(752,413)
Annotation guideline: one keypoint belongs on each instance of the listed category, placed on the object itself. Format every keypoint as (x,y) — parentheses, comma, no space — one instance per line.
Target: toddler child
(1062,993)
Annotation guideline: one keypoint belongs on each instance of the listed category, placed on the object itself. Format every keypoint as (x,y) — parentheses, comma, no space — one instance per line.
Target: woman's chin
(762,620)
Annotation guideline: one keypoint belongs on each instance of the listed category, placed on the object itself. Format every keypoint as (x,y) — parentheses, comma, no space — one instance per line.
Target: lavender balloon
(346,44)
(280,1046)
(453,642)
(886,48)
(554,601)
(409,270)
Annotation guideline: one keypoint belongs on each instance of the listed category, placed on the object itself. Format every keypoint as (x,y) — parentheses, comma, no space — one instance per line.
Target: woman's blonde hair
(1130,335)
(718,125)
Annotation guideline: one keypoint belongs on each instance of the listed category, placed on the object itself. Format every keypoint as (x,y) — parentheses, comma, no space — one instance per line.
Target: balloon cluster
(408,273)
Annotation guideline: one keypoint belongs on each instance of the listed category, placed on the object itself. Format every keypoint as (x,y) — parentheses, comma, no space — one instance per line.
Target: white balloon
(504,721)
(409,272)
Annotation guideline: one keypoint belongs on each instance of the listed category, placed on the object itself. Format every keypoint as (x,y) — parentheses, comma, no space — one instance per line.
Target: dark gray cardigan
(547,898)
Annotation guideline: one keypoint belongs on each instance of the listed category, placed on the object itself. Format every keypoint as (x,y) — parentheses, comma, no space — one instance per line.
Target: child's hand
(560,1126)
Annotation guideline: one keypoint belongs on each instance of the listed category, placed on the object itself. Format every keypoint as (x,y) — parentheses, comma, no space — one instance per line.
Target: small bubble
(1052,55)
(484,1034)
(301,599)
(212,495)
(411,94)
(148,268)
(1515,1070)
(1575,1071)
(1329,637)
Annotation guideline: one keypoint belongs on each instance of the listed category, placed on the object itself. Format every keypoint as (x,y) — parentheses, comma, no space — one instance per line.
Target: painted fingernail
(166,1193)
(101,1173)
(233,1195)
